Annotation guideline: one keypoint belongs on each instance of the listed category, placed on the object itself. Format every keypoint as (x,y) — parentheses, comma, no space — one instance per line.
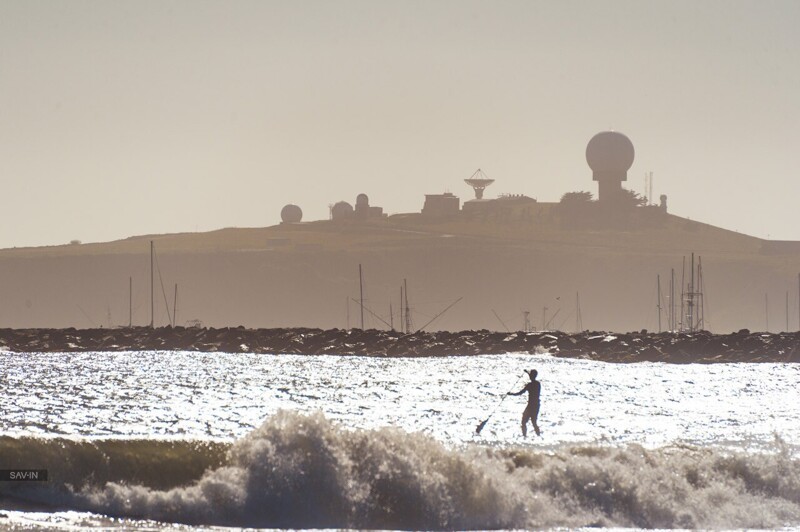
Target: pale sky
(120,118)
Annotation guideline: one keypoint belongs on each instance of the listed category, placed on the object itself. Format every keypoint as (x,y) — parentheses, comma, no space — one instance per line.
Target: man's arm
(518,393)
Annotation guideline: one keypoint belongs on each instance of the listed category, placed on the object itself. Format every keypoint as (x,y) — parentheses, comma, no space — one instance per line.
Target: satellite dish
(479,181)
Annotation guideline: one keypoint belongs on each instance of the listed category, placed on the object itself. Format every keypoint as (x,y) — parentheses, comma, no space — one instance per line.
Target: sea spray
(304,471)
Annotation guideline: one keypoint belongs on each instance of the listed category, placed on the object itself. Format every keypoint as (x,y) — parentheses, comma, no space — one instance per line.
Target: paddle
(485,421)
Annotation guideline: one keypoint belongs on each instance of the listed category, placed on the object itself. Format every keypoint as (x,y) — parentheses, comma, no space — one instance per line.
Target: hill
(305,274)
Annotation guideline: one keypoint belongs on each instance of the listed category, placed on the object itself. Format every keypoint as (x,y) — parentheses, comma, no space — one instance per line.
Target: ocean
(182,439)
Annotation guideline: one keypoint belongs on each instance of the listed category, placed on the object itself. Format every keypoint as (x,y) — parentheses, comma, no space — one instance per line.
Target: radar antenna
(479,181)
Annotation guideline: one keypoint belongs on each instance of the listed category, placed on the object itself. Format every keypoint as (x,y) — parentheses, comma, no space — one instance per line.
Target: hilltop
(302,274)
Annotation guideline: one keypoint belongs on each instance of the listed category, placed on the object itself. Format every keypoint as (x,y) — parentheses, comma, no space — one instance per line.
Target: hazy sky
(120,118)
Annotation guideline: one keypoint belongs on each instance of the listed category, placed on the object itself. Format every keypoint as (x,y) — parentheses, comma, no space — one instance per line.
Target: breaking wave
(79,464)
(302,471)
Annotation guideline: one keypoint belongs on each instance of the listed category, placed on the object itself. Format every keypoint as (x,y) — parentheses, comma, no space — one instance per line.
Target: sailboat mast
(152,281)
(683,295)
(402,312)
(408,312)
(672,300)
(658,288)
(691,299)
(361,292)
(702,292)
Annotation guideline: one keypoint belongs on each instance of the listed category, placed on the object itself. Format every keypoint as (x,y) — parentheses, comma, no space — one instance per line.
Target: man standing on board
(532,410)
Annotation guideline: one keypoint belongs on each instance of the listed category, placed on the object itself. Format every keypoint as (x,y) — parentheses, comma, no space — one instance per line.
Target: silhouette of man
(532,410)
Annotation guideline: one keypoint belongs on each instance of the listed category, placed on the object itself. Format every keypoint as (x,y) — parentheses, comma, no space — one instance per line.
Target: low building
(341,211)
(438,205)
(364,210)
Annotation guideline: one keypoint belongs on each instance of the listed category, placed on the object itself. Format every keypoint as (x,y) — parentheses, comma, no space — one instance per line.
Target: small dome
(610,155)
(341,210)
(362,199)
(291,214)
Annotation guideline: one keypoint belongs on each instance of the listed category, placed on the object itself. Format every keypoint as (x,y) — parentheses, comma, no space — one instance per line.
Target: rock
(699,346)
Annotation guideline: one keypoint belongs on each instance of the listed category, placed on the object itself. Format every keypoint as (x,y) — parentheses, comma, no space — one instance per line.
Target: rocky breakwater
(700,347)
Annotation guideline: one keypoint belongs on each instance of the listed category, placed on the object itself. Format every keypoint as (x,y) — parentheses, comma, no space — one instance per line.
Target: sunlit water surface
(224,396)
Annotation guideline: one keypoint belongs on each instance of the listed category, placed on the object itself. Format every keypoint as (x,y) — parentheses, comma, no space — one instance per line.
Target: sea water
(141,439)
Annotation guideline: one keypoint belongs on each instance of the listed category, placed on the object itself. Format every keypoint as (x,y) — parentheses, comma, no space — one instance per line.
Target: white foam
(300,471)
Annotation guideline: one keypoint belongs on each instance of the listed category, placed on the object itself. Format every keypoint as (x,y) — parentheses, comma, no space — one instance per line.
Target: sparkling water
(672,416)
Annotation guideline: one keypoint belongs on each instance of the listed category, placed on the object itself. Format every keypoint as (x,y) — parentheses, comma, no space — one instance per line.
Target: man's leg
(534,417)
(525,418)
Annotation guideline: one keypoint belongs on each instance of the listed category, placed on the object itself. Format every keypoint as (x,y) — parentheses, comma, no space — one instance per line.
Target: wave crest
(159,464)
(303,471)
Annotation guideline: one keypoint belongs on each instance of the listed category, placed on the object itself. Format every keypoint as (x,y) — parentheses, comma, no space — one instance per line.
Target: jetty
(683,348)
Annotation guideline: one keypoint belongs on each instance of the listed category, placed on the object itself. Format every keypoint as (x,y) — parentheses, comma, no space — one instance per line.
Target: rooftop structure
(364,210)
(610,156)
(341,211)
(438,205)
(479,181)
(291,214)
